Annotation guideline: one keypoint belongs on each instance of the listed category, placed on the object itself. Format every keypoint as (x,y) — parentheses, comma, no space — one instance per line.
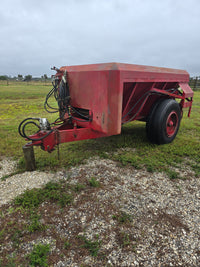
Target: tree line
(195,83)
(26,78)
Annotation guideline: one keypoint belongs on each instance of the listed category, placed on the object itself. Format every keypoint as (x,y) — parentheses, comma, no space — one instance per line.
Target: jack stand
(29,158)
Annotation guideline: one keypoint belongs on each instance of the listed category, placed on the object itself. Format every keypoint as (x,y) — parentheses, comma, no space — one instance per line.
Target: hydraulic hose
(22,125)
(61,93)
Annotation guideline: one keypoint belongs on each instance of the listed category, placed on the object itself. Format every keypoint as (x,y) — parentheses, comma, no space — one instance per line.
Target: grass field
(21,100)
(44,226)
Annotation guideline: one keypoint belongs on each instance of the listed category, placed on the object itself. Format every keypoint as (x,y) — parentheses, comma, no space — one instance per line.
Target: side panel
(99,92)
(88,90)
(138,97)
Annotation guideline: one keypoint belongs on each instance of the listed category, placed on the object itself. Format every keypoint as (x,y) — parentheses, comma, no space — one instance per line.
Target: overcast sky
(38,34)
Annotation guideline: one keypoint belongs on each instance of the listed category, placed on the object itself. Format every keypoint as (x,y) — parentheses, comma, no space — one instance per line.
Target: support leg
(29,158)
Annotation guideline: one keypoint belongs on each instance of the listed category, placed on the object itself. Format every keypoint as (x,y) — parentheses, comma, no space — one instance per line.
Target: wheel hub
(172,124)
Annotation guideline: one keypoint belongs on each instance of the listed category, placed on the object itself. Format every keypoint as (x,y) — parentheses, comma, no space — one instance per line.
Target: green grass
(38,257)
(2,233)
(92,246)
(78,187)
(122,218)
(125,239)
(93,182)
(19,100)
(52,191)
(35,224)
(67,245)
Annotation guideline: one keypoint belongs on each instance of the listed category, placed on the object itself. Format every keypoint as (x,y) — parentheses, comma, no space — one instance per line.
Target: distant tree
(28,78)
(3,78)
(20,77)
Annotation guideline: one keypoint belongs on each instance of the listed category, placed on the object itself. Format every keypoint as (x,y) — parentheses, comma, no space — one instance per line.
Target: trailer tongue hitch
(44,124)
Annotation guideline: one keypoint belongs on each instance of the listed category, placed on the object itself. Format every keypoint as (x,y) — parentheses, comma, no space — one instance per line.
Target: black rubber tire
(157,125)
(149,122)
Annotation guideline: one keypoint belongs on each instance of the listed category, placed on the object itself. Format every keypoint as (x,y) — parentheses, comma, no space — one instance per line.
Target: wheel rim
(172,124)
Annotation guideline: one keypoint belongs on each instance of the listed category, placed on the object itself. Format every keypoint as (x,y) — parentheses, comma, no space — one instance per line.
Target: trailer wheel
(149,122)
(164,122)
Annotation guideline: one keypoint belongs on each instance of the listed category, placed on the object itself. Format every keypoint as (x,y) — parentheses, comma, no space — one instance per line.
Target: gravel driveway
(162,225)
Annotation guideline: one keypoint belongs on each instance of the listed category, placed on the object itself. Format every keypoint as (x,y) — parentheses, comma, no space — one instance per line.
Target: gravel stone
(164,228)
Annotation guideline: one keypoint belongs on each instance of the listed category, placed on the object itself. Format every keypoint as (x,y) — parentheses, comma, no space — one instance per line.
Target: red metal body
(113,94)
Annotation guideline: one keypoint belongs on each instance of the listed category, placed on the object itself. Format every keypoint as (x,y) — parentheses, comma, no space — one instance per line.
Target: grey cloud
(36,35)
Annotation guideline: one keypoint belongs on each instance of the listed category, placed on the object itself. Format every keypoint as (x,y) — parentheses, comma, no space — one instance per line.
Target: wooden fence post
(195,83)
(29,158)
